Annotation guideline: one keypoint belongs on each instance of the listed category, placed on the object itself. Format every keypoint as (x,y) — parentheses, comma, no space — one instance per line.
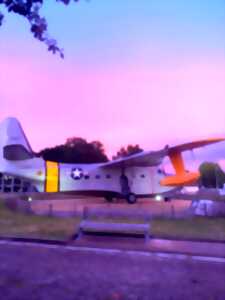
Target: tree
(76,150)
(30,9)
(129,150)
(212,176)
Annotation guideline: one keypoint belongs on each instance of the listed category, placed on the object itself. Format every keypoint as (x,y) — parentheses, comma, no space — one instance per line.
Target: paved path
(37,272)
(153,245)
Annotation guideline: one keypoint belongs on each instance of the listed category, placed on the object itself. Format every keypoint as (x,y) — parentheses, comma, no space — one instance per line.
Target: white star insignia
(76,173)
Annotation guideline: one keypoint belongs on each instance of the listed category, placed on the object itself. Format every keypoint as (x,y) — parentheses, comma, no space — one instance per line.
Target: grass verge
(21,225)
(15,224)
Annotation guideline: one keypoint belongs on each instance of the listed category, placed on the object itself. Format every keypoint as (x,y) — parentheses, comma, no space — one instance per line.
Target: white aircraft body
(138,175)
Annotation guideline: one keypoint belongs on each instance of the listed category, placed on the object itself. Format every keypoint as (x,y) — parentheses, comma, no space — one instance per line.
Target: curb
(68,246)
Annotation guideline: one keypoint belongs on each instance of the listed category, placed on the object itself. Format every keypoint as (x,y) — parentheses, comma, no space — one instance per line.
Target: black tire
(109,198)
(167,199)
(131,198)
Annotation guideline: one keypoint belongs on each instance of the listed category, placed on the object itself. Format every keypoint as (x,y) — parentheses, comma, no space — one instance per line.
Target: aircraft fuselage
(93,178)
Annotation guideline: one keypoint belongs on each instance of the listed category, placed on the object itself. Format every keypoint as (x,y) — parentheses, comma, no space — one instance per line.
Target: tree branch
(29,9)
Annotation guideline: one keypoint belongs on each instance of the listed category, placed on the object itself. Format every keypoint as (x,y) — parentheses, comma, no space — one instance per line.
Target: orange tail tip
(180,180)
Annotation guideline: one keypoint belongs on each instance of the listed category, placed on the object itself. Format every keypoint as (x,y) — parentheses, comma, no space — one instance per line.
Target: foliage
(127,151)
(76,150)
(212,175)
(30,9)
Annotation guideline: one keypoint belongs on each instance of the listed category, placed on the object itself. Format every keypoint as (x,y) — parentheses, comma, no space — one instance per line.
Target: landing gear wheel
(167,199)
(131,198)
(109,198)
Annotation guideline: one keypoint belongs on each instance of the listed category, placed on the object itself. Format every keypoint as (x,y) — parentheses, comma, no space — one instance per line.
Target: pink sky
(132,104)
(152,73)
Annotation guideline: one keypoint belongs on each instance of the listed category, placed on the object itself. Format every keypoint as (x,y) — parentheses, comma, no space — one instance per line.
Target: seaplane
(136,176)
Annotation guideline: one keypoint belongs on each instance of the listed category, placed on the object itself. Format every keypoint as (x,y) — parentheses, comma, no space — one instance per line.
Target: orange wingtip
(180,180)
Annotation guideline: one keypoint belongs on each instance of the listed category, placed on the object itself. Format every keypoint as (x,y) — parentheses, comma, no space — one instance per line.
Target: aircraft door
(124,183)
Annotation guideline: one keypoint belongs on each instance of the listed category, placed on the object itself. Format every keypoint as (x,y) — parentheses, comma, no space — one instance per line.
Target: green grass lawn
(193,228)
(21,225)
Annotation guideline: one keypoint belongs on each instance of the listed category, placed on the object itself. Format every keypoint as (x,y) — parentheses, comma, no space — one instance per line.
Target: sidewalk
(212,249)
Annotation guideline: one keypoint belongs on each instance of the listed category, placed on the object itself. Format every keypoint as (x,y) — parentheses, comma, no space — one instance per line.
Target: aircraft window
(160,171)
(8,181)
(17,181)
(7,189)
(25,189)
(1,175)
(108,176)
(142,175)
(97,176)
(16,188)
(86,176)
(18,185)
(26,186)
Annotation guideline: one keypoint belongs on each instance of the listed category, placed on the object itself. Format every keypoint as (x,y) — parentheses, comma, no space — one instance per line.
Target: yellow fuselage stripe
(52,177)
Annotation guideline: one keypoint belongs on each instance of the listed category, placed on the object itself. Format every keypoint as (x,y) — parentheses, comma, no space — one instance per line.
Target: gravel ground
(35,272)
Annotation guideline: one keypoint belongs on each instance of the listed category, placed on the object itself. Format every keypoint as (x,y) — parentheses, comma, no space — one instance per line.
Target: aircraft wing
(154,158)
(142,159)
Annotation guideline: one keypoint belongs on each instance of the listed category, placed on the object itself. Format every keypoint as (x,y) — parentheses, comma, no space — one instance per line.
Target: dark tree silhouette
(76,150)
(127,151)
(212,176)
(30,9)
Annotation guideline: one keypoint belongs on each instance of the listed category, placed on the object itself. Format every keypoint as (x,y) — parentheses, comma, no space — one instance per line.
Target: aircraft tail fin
(182,176)
(14,145)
